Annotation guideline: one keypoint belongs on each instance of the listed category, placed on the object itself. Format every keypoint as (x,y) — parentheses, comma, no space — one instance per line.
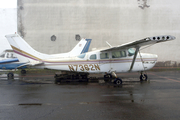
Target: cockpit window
(81,56)
(131,51)
(104,56)
(93,56)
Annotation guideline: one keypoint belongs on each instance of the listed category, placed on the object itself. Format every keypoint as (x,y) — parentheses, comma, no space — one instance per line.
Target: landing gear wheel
(107,77)
(10,75)
(118,81)
(23,71)
(143,77)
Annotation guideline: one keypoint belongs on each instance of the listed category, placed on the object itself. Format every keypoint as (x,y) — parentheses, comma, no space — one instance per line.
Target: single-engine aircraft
(112,60)
(15,63)
(8,61)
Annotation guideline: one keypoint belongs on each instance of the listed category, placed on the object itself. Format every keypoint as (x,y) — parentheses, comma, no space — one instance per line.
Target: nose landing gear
(143,77)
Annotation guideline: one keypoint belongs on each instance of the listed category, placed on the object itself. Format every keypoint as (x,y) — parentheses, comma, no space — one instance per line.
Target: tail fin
(25,53)
(81,47)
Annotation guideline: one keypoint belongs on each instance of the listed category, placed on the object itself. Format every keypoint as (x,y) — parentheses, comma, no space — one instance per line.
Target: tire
(107,77)
(10,75)
(23,71)
(118,81)
(143,77)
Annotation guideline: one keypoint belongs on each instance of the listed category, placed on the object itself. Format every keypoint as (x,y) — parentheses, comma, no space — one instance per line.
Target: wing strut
(134,59)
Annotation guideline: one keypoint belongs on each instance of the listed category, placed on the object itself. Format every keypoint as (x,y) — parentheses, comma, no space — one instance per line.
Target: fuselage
(101,62)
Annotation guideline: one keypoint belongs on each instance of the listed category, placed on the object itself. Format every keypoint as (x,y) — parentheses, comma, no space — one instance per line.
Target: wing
(9,60)
(139,43)
(142,42)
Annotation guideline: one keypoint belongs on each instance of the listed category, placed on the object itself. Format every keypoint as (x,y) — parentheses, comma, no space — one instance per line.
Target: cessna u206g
(112,60)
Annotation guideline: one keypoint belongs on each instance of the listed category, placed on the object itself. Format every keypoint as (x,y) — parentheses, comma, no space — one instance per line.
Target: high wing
(142,42)
(139,43)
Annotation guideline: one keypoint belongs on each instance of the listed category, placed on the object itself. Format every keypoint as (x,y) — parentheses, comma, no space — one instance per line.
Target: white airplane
(15,63)
(112,60)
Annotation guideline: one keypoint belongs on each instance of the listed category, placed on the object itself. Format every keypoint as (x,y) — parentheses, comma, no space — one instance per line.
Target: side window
(7,55)
(92,57)
(11,55)
(118,54)
(123,53)
(104,56)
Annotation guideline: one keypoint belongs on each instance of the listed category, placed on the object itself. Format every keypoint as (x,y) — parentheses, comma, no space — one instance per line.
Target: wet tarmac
(36,97)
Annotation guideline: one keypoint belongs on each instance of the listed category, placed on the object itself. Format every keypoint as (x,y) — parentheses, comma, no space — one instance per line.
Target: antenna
(109,44)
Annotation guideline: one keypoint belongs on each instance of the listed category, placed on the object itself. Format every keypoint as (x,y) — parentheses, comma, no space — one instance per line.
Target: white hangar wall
(115,21)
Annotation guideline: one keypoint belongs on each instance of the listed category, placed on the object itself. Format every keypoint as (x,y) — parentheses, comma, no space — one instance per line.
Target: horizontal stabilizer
(31,64)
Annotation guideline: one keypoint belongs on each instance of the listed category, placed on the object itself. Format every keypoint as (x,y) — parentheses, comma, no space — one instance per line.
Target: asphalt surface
(36,97)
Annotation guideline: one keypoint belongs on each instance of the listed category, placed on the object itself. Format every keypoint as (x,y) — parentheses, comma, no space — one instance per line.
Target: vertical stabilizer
(81,47)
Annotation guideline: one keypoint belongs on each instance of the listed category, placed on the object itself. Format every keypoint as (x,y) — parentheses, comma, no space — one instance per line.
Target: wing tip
(162,38)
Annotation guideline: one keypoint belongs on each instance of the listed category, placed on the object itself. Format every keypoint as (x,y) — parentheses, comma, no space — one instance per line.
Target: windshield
(131,51)
(2,55)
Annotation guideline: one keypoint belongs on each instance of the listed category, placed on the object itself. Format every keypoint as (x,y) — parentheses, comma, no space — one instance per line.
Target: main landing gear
(108,77)
(118,81)
(10,75)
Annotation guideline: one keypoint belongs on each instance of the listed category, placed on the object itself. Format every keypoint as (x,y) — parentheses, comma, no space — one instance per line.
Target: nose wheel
(143,77)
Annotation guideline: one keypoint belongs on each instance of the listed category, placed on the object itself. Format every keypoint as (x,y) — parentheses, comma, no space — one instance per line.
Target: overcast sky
(8,21)
(8,3)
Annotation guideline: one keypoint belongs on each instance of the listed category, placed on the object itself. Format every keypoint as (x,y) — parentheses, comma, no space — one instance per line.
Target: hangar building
(54,26)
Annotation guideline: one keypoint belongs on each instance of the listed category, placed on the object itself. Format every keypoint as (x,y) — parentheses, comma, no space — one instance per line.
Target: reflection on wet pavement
(37,97)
